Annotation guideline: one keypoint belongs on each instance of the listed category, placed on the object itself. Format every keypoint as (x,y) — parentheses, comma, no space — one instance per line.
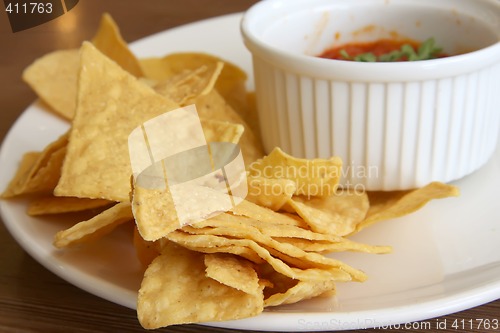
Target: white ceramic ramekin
(395,125)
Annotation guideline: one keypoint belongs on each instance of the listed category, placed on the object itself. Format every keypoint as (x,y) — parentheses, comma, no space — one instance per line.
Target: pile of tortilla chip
(268,250)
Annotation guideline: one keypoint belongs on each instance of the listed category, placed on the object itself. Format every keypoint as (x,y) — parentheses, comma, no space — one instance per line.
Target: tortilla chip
(156,70)
(287,252)
(315,177)
(337,214)
(160,209)
(323,271)
(96,227)
(175,290)
(18,183)
(267,227)
(39,175)
(389,205)
(252,116)
(45,176)
(329,246)
(231,83)
(290,254)
(213,106)
(54,79)
(301,291)
(49,150)
(146,251)
(109,41)
(232,271)
(240,251)
(154,212)
(221,131)
(270,193)
(46,205)
(259,213)
(304,239)
(111,104)
(190,84)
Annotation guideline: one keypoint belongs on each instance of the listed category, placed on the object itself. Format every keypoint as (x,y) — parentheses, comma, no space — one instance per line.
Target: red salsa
(385,50)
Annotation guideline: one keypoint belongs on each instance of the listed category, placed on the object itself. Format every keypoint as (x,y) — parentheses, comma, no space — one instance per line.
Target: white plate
(446,256)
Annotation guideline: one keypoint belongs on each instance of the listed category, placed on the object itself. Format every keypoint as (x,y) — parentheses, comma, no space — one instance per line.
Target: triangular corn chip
(232,271)
(54,76)
(96,227)
(175,290)
(213,106)
(313,177)
(337,214)
(389,205)
(190,84)
(109,41)
(18,183)
(39,172)
(231,83)
(111,104)
(269,192)
(54,79)
(49,204)
(301,291)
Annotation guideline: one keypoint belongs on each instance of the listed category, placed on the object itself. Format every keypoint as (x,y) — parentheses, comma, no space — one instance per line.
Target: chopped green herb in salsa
(386,50)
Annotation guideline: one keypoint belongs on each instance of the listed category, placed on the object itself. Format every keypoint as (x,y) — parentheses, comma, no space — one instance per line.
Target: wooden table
(32,299)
